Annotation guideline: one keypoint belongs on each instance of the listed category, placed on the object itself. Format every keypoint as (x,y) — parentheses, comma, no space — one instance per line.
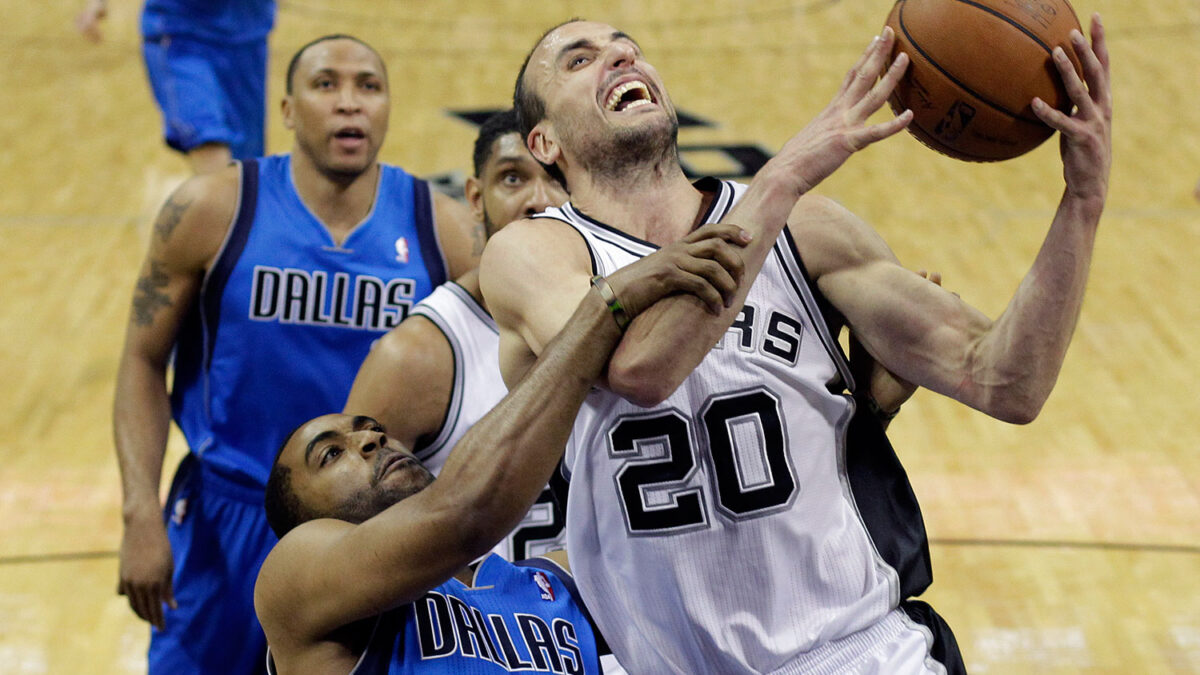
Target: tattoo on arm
(170,215)
(148,298)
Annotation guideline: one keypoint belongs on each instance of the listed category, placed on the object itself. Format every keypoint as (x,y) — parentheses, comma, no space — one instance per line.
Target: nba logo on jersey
(543,584)
(402,250)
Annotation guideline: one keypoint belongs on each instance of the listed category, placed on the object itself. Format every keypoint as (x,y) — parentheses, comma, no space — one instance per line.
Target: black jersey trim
(944,649)
(235,245)
(431,249)
(472,304)
(564,219)
(818,308)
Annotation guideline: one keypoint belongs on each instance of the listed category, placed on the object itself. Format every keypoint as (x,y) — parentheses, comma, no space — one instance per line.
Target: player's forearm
(1022,354)
(141,420)
(502,464)
(667,341)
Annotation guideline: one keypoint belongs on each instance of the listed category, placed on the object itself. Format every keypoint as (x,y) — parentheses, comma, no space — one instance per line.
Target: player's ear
(473,190)
(542,143)
(286,106)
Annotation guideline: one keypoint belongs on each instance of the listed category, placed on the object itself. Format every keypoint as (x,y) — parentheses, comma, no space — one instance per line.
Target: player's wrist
(615,308)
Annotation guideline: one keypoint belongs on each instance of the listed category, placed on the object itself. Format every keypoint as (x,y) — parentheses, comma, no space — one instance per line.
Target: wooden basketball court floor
(1071,545)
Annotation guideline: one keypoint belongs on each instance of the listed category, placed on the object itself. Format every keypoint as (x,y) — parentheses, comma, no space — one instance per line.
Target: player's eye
(511,179)
(578,60)
(330,454)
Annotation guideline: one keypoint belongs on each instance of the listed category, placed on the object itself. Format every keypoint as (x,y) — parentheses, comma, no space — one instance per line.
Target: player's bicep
(186,236)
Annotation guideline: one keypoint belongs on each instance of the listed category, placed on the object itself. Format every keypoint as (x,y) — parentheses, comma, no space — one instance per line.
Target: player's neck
(340,203)
(658,206)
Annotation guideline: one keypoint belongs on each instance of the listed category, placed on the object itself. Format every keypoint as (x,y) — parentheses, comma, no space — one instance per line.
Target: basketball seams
(928,59)
(1030,34)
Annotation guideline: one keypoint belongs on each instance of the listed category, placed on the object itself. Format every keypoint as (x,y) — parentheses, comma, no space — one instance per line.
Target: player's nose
(542,196)
(619,54)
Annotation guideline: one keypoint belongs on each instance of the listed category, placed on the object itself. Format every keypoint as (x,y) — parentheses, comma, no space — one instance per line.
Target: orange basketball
(976,67)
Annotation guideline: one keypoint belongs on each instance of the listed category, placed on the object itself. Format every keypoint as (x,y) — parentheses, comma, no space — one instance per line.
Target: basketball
(976,67)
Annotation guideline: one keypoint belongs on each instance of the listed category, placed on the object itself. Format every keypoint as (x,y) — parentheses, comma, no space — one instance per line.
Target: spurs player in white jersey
(713,522)
(431,378)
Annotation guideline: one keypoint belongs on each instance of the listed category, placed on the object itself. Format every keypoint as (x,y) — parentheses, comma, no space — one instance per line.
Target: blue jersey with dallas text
(285,314)
(522,618)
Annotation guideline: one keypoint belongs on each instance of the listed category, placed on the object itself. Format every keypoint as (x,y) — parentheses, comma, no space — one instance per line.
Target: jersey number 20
(747,461)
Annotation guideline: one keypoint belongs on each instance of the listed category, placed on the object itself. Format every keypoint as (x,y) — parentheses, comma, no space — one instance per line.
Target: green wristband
(610,299)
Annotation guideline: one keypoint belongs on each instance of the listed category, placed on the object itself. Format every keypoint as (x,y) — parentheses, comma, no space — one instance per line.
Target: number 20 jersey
(716,532)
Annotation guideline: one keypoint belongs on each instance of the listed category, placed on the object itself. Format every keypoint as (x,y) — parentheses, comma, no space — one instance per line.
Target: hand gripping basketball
(840,129)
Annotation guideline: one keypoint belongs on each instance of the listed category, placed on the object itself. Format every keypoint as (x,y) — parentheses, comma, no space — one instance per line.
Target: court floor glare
(1070,545)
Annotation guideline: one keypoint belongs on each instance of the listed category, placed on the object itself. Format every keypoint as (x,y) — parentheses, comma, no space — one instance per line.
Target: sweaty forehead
(568,36)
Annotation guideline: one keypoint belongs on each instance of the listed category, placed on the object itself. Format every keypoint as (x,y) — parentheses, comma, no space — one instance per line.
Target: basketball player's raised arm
(406,380)
(186,236)
(459,233)
(326,573)
(1007,367)
(663,346)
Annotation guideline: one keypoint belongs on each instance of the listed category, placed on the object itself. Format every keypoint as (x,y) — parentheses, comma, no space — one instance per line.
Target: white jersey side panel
(478,387)
(715,532)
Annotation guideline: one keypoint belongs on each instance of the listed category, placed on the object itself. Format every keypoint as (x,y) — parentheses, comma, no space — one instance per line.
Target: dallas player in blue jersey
(721,444)
(371,573)
(207,64)
(267,281)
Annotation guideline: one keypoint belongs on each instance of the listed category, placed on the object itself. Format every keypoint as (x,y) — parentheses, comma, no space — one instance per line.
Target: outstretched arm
(928,336)
(326,574)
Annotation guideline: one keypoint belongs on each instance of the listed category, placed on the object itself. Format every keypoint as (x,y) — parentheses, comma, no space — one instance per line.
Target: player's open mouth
(350,134)
(629,95)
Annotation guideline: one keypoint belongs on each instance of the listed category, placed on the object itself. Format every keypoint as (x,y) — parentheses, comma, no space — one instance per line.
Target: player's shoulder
(828,236)
(195,219)
(537,238)
(411,347)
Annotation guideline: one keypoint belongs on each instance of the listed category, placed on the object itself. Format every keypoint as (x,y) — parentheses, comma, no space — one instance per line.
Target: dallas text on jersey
(302,297)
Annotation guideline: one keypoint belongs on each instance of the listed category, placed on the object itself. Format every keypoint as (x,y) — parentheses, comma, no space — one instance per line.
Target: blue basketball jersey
(285,315)
(218,20)
(514,618)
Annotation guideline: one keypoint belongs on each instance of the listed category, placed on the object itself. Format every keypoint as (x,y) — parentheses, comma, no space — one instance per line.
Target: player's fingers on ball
(878,132)
(1076,89)
(1093,71)
(852,74)
(1053,118)
(879,93)
(1099,41)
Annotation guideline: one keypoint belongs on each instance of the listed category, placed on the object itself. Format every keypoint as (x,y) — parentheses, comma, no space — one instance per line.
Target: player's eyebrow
(362,421)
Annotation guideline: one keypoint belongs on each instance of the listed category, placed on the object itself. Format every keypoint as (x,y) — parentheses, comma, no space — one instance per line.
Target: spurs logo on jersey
(446,625)
(295,296)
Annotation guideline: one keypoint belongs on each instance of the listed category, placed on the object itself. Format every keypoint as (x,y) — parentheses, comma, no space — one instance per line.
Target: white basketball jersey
(478,387)
(715,532)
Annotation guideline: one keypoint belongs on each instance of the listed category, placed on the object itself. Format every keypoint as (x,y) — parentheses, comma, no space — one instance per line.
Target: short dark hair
(530,107)
(284,510)
(500,124)
(291,69)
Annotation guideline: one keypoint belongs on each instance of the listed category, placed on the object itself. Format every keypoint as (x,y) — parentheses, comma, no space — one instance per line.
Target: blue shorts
(219,537)
(209,92)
